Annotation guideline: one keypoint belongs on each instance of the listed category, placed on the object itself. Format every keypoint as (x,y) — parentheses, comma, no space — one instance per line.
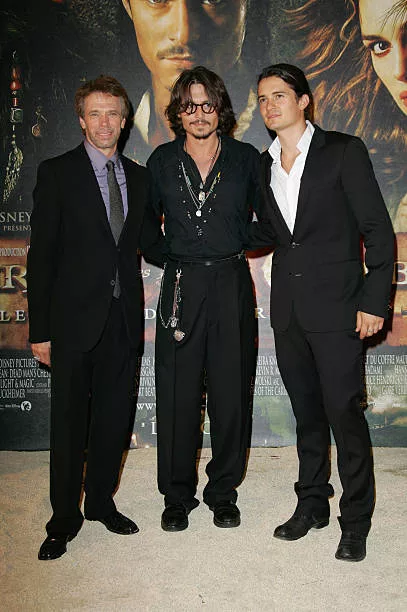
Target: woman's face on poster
(384,33)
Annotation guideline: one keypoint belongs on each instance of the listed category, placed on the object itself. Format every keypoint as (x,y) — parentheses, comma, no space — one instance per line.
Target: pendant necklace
(200,200)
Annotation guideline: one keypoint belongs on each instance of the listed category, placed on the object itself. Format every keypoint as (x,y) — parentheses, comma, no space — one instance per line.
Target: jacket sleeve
(364,196)
(260,232)
(42,258)
(152,240)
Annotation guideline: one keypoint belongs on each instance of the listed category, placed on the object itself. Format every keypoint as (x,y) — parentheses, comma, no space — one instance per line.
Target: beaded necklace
(199,200)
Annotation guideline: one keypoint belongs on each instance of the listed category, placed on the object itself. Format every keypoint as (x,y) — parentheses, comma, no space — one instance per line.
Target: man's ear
(126,4)
(304,101)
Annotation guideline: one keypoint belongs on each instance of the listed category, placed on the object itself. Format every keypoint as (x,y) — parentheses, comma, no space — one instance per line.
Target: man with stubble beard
(175,35)
(204,183)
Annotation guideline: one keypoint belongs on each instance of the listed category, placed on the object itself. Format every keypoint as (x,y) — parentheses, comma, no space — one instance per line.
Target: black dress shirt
(222,228)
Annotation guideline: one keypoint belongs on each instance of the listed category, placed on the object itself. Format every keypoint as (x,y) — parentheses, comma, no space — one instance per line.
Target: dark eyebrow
(372,36)
(274,92)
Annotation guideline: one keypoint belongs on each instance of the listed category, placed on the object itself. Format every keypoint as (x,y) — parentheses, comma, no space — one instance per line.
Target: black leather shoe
(352,547)
(118,523)
(226,514)
(298,526)
(174,518)
(54,546)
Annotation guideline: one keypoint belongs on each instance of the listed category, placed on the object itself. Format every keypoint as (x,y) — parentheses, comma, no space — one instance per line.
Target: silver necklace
(199,200)
(201,195)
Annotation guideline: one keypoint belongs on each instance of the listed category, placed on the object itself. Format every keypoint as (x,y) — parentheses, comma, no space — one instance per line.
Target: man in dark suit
(320,199)
(84,297)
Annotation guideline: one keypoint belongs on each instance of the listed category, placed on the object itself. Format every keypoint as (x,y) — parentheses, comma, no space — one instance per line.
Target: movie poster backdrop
(49,47)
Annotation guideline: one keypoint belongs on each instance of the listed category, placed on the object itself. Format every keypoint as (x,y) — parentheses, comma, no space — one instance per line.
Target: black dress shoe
(118,523)
(54,546)
(352,547)
(298,526)
(226,514)
(174,518)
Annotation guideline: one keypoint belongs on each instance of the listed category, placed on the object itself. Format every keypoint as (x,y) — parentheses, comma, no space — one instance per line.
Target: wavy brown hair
(217,96)
(348,93)
(106,85)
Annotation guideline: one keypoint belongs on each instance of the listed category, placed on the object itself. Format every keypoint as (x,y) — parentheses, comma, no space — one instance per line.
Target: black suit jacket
(318,269)
(73,257)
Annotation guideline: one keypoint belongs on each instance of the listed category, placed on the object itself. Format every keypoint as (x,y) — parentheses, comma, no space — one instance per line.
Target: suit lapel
(310,175)
(267,166)
(86,178)
(132,185)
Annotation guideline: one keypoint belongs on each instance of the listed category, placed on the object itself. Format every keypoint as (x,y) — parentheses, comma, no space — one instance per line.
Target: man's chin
(202,133)
(203,136)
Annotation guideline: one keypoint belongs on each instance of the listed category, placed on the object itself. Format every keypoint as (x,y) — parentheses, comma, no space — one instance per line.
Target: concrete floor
(203,568)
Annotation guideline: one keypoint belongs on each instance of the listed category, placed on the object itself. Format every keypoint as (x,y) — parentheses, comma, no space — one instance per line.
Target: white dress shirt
(285,186)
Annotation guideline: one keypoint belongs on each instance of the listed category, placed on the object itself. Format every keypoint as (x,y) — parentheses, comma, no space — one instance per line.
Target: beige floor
(203,568)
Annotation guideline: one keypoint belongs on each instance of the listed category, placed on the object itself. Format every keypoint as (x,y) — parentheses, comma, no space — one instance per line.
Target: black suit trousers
(91,405)
(217,316)
(324,376)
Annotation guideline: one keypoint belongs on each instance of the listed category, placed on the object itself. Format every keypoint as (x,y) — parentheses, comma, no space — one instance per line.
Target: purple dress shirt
(98,161)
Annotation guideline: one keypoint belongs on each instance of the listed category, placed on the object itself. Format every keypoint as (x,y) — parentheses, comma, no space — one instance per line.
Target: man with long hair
(204,183)
(177,35)
(321,196)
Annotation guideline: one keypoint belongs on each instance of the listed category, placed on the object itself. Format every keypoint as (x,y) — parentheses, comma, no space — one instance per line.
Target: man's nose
(184,27)
(271,104)
(199,114)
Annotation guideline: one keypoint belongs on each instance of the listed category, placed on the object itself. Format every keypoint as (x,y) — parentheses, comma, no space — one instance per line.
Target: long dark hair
(348,93)
(217,96)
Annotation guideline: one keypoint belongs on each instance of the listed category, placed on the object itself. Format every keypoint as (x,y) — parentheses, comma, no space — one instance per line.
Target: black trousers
(91,404)
(218,319)
(323,375)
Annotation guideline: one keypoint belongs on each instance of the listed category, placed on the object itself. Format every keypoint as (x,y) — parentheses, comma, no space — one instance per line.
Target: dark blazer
(318,269)
(72,260)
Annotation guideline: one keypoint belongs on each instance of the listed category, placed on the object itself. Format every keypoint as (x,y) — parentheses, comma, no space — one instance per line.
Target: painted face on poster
(174,35)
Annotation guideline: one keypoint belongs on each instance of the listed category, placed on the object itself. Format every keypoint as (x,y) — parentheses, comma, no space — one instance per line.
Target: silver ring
(36,358)
(370,331)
